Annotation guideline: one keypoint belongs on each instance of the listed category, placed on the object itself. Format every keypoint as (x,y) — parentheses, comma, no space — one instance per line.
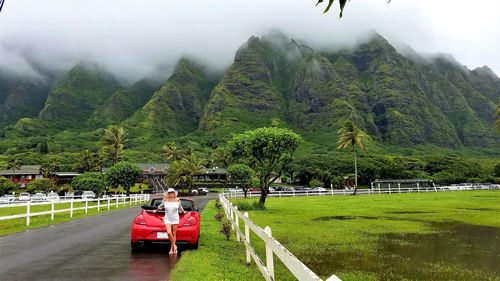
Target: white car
(53,197)
(24,196)
(9,197)
(88,195)
(39,197)
(319,188)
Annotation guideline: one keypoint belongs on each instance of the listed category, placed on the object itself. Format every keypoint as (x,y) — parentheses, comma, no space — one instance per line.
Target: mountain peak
(486,71)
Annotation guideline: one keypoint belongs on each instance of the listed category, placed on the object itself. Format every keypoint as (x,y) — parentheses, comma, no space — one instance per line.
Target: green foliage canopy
(92,181)
(241,174)
(124,174)
(40,185)
(266,150)
(6,186)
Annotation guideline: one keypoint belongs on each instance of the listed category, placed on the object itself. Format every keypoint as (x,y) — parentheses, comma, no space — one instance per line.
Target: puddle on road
(455,252)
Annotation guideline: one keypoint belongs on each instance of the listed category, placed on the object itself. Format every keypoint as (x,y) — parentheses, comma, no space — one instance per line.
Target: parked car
(78,194)
(202,191)
(319,188)
(148,227)
(9,197)
(24,196)
(88,195)
(53,197)
(39,197)
(6,199)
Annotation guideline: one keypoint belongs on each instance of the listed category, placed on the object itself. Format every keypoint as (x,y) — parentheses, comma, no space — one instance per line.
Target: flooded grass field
(432,236)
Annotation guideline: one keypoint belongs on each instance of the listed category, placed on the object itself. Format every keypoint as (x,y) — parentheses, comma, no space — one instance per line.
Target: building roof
(148,168)
(24,170)
(67,174)
(403,181)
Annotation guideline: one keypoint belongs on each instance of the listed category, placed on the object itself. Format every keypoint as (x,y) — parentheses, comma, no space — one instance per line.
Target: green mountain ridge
(273,81)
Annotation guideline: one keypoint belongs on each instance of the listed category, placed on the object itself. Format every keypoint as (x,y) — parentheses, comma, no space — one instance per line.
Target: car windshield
(187,205)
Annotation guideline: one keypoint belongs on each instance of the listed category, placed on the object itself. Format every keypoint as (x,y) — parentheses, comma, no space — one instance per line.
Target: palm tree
(182,171)
(87,162)
(351,135)
(14,164)
(112,141)
(172,152)
(221,157)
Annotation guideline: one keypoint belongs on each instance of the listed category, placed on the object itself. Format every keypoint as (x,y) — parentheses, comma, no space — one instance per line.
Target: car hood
(153,219)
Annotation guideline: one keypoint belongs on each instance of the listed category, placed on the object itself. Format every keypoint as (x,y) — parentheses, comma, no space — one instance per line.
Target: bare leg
(174,235)
(170,237)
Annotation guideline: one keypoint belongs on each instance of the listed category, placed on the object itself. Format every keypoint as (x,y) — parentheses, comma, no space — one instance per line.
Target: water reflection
(152,262)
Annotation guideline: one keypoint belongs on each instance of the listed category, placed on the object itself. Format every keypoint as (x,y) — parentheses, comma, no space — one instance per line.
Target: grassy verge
(15,225)
(216,258)
(427,236)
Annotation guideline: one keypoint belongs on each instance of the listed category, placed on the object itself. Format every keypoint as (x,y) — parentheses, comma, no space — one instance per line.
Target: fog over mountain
(131,39)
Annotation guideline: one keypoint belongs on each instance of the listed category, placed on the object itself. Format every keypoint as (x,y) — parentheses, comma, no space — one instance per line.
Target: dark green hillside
(122,104)
(176,108)
(78,94)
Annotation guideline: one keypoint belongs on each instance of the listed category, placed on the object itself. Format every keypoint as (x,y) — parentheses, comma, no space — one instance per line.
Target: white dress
(172,210)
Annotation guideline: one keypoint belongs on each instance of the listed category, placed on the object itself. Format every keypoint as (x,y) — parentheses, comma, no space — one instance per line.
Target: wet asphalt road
(91,248)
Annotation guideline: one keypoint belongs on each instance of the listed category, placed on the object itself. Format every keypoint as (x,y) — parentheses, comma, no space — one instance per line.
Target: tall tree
(267,151)
(182,171)
(220,157)
(172,152)
(241,174)
(14,164)
(87,162)
(124,174)
(341,4)
(49,169)
(113,142)
(350,136)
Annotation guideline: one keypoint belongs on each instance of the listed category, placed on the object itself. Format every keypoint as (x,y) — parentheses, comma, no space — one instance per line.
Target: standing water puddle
(456,251)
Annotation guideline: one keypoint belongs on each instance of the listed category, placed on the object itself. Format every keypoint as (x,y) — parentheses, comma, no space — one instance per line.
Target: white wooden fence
(101,203)
(273,247)
(239,194)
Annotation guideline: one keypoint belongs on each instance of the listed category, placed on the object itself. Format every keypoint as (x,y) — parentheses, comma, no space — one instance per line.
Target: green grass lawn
(426,236)
(15,225)
(217,258)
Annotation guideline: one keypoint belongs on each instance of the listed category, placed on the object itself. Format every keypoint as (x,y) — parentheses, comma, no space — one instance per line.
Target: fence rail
(239,194)
(108,202)
(273,247)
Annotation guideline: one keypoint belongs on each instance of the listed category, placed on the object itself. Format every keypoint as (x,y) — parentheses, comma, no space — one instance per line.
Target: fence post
(52,212)
(231,213)
(109,202)
(28,213)
(247,237)
(98,204)
(86,205)
(71,209)
(269,254)
(117,202)
(237,222)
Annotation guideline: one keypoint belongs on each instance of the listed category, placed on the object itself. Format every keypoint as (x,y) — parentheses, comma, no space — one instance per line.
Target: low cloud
(132,39)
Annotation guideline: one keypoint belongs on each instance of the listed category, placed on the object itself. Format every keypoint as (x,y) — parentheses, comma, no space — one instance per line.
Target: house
(212,174)
(25,174)
(61,178)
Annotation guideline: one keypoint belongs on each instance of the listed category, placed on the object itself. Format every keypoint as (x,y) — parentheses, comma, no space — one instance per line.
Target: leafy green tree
(220,157)
(112,143)
(350,136)
(49,169)
(266,151)
(241,174)
(315,183)
(40,185)
(182,171)
(43,148)
(6,186)
(496,170)
(92,181)
(14,164)
(87,162)
(124,174)
(172,152)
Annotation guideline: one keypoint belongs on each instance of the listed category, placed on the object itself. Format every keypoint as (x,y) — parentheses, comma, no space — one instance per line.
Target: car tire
(135,245)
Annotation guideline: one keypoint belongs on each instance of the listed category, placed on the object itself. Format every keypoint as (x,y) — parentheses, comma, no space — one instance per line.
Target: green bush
(248,204)
(95,182)
(40,185)
(124,174)
(6,186)
(315,183)
(496,170)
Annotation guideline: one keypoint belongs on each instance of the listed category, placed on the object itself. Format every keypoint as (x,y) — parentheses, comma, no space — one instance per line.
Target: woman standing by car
(172,206)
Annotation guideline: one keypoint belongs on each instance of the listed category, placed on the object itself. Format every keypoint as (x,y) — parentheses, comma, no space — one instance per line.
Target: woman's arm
(161,206)
(180,206)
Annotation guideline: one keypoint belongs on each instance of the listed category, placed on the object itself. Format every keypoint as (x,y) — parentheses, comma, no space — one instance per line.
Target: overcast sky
(131,37)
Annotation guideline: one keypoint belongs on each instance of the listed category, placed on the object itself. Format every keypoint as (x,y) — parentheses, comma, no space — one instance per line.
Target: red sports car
(148,227)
